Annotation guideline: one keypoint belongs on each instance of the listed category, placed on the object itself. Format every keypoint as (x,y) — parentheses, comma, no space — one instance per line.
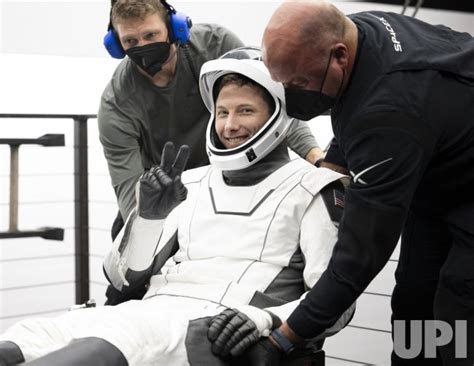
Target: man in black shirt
(401,94)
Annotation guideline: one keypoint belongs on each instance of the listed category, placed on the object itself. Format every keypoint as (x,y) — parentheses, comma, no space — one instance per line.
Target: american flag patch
(338,198)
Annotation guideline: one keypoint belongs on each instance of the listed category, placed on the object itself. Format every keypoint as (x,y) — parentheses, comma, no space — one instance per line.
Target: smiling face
(241,111)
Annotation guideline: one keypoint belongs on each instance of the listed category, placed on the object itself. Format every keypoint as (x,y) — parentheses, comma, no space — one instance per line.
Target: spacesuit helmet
(246,61)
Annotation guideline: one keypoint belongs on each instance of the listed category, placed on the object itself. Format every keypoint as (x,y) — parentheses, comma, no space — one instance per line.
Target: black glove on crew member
(160,189)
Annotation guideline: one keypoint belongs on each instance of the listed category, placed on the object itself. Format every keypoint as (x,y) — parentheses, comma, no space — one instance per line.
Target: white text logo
(396,45)
(436,333)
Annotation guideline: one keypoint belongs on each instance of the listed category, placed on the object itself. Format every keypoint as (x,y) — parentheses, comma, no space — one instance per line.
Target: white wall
(36,275)
(52,61)
(76,28)
(1,28)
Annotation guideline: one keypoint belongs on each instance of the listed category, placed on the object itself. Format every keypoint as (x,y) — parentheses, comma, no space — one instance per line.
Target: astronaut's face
(240,113)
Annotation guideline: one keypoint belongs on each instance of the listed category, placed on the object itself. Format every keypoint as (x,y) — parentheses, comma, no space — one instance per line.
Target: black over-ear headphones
(179,27)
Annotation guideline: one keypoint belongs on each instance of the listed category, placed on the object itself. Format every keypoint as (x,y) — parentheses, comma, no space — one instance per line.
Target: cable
(405,5)
(188,58)
(418,6)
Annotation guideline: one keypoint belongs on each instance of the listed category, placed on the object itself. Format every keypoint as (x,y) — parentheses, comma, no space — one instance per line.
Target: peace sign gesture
(160,189)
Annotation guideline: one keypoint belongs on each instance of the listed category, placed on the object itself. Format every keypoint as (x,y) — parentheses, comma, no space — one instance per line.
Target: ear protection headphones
(179,31)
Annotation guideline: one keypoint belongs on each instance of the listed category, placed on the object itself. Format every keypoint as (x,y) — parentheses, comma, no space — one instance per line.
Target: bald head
(304,17)
(299,39)
(304,24)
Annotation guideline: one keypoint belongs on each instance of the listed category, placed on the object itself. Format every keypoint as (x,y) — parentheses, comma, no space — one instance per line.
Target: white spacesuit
(246,246)
(237,245)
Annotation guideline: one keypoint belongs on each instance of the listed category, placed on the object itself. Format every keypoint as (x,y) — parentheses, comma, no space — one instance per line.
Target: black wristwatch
(285,344)
(318,162)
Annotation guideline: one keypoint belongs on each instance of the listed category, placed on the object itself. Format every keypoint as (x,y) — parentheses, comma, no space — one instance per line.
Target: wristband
(284,343)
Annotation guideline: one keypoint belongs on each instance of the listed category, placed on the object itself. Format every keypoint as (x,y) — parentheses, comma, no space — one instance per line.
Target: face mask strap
(172,54)
(326,72)
(339,90)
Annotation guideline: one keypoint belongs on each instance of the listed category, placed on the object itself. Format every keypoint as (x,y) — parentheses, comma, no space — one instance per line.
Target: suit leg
(10,354)
(83,351)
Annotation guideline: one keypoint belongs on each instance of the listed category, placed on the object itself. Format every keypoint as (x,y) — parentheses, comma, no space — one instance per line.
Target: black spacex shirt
(405,128)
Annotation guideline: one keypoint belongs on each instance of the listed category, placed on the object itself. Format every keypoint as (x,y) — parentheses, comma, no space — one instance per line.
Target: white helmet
(246,61)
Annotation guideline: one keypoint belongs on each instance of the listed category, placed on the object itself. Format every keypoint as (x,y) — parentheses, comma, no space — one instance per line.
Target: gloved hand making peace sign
(160,189)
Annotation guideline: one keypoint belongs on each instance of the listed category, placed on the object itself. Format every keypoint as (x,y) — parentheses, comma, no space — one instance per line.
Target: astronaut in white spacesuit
(240,241)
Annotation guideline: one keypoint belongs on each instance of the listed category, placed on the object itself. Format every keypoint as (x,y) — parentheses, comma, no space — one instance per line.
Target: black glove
(263,353)
(160,188)
(231,333)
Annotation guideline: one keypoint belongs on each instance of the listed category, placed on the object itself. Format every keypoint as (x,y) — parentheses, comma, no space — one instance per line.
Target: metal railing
(81,196)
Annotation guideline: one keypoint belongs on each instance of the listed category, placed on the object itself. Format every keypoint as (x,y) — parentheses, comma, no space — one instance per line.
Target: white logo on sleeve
(356,177)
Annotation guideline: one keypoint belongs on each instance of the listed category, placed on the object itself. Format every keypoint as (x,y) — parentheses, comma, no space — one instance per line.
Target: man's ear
(341,54)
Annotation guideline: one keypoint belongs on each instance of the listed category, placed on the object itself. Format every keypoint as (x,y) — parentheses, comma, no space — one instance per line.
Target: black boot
(83,352)
(10,354)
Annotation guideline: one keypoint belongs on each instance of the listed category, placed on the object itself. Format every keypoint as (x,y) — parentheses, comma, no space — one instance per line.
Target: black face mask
(150,57)
(307,104)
